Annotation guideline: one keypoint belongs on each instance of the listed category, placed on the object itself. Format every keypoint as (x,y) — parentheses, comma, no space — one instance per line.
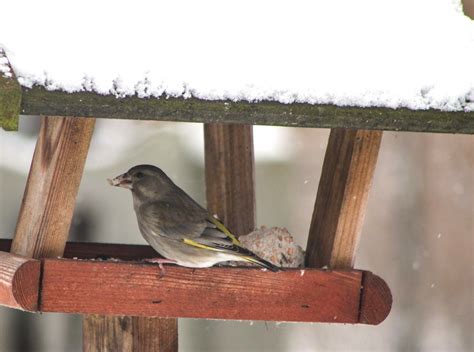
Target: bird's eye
(139,174)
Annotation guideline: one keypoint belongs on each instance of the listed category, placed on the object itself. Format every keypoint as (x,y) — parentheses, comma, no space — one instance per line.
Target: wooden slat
(230,175)
(143,280)
(38,101)
(19,282)
(111,288)
(91,250)
(85,250)
(341,200)
(48,202)
(129,334)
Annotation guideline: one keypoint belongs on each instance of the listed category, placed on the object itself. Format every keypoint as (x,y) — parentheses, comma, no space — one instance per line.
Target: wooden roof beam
(39,101)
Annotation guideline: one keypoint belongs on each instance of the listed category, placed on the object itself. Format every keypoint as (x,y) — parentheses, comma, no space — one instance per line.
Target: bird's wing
(222,240)
(196,229)
(185,221)
(218,238)
(172,220)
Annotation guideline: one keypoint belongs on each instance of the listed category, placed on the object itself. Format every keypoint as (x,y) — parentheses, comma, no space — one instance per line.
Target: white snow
(405,53)
(4,67)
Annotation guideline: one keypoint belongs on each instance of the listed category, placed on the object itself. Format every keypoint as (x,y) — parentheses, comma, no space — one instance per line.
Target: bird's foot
(160,262)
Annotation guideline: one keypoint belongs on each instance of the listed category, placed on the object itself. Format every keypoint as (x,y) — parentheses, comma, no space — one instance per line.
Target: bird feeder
(39,272)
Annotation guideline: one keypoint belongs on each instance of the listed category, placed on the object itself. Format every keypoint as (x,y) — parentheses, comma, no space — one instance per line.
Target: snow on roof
(394,53)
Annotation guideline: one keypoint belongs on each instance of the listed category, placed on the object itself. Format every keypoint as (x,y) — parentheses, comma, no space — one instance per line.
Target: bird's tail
(261,262)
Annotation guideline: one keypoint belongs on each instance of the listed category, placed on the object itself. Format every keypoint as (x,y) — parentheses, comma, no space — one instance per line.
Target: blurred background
(418,233)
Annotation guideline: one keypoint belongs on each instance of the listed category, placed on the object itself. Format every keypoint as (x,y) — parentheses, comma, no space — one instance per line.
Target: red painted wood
(75,286)
(372,307)
(19,282)
(376,300)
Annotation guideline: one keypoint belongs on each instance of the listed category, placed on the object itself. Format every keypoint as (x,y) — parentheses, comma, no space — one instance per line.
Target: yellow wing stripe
(224,229)
(251,260)
(199,245)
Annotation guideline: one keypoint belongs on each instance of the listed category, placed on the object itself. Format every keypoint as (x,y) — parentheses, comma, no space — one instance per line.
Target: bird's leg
(160,262)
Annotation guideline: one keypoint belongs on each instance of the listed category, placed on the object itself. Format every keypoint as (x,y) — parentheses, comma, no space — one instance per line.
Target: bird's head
(145,181)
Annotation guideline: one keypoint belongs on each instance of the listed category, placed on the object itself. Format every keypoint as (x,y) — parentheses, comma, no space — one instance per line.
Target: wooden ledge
(91,250)
(19,282)
(40,101)
(113,287)
(215,293)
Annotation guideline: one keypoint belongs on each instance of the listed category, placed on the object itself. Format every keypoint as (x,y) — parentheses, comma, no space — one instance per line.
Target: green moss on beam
(10,99)
(39,101)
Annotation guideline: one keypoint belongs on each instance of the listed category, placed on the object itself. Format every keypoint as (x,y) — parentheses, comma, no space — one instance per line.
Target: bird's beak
(124,180)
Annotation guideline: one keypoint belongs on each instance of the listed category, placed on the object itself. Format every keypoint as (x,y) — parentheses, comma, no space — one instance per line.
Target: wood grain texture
(341,200)
(125,333)
(230,175)
(39,101)
(111,288)
(48,202)
(19,282)
(376,301)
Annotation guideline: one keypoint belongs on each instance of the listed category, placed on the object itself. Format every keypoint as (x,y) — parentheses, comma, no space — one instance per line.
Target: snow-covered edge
(145,89)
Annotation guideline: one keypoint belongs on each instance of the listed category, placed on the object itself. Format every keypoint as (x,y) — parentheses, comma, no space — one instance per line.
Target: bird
(177,227)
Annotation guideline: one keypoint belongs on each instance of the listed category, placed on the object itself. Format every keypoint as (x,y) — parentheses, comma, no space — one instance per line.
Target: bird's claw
(160,262)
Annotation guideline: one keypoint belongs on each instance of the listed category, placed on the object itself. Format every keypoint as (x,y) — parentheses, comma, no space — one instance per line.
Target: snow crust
(406,53)
(4,67)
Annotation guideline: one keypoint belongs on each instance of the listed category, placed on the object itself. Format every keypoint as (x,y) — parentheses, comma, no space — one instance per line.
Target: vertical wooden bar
(230,175)
(341,200)
(53,181)
(104,333)
(129,334)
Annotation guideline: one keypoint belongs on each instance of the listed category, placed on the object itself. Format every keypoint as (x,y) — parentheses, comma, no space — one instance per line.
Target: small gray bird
(176,226)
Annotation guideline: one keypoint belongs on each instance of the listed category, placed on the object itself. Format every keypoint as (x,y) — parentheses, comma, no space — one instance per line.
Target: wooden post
(50,194)
(230,175)
(105,333)
(341,200)
(48,202)
(129,334)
